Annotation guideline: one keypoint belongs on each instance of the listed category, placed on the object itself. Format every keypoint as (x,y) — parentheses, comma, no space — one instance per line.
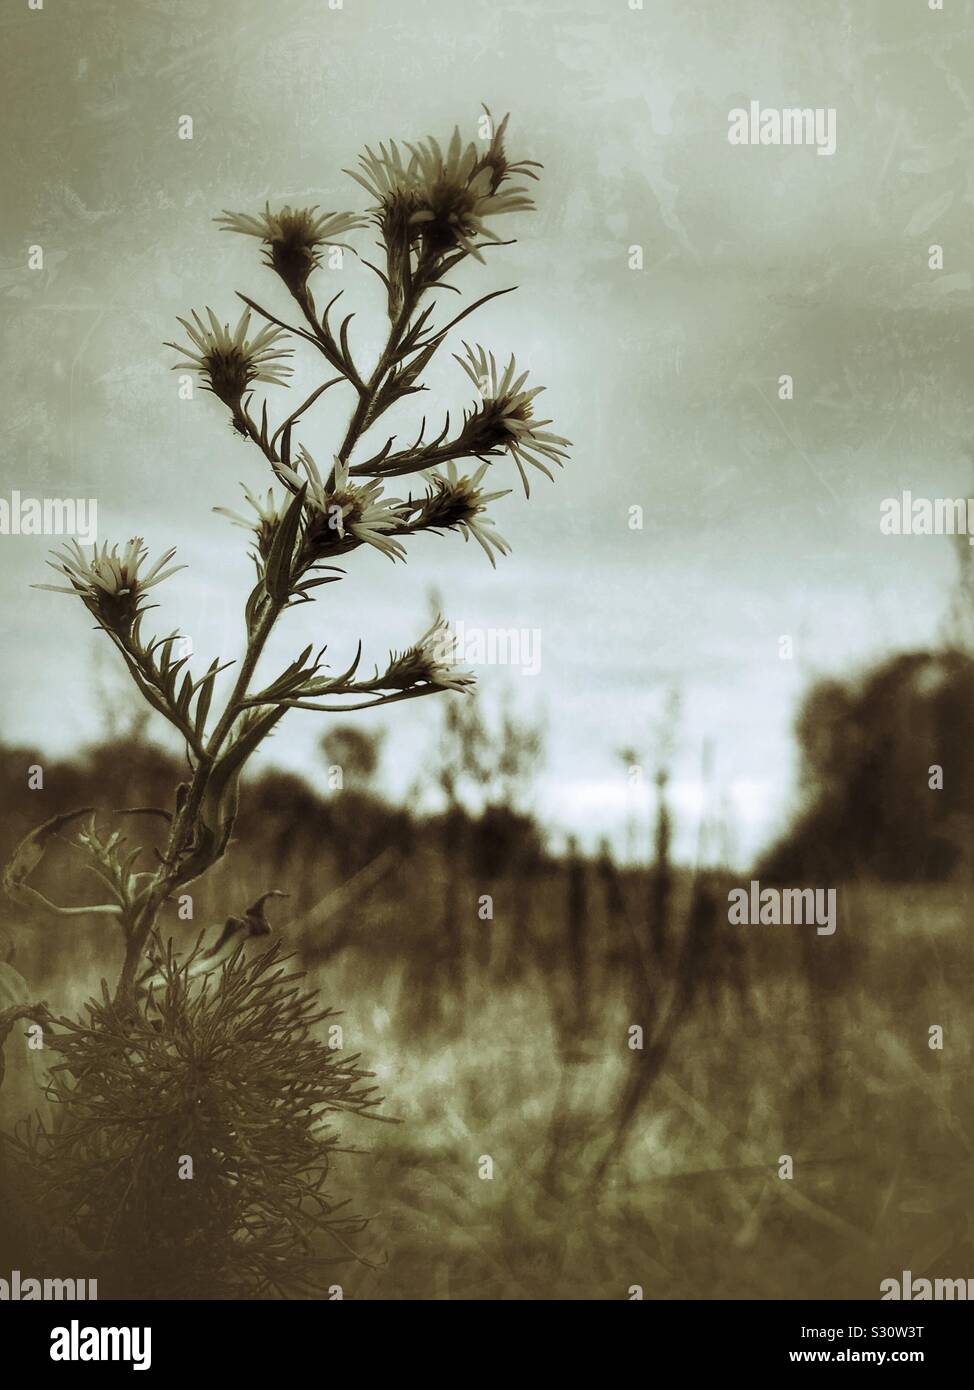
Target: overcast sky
(760,515)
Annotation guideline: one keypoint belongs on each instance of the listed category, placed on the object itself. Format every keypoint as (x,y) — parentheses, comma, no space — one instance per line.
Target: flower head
(496,157)
(441,202)
(457,502)
(293,237)
(342,515)
(228,362)
(263,524)
(429,662)
(109,584)
(505,417)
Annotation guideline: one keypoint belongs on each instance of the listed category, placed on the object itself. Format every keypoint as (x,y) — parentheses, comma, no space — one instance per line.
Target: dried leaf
(30,851)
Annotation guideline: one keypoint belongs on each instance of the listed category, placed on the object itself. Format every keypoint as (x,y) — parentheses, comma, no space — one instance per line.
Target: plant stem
(186,822)
(362,415)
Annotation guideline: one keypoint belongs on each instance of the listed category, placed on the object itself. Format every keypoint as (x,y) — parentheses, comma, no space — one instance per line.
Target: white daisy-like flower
(505,417)
(264,524)
(109,583)
(341,514)
(293,237)
(430,662)
(457,502)
(228,361)
(443,201)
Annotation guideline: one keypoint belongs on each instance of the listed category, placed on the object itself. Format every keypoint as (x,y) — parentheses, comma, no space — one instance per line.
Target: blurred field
(508,1039)
(825,1061)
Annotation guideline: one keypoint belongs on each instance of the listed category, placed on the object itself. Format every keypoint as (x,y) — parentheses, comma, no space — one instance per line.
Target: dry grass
(819,1050)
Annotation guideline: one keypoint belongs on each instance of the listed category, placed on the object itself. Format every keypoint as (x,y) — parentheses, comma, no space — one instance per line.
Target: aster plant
(433,209)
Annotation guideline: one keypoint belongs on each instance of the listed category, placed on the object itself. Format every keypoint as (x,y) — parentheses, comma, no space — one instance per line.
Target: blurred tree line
(887,775)
(476,784)
(887,764)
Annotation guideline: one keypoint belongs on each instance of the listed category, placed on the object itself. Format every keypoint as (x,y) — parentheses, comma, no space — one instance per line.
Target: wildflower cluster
(433,208)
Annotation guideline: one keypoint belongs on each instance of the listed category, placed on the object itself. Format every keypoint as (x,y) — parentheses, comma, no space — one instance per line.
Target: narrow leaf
(277,574)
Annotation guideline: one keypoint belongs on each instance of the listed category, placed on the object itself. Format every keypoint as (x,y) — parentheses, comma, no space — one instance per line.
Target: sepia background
(664,748)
